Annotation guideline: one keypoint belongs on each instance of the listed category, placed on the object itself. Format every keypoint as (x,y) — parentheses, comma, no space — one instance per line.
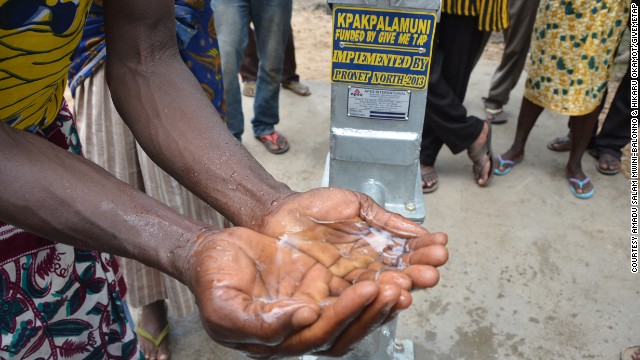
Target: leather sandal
(560,144)
(297,88)
(477,157)
(611,161)
(427,175)
(249,89)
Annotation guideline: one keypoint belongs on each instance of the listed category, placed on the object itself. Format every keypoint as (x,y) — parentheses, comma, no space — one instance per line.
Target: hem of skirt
(559,111)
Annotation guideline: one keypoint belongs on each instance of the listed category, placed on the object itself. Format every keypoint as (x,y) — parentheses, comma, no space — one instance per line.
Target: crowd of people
(64,218)
(571,48)
(184,215)
(572,52)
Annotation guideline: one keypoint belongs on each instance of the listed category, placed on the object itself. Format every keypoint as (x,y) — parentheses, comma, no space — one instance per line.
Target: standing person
(461,35)
(61,215)
(517,38)
(572,52)
(607,144)
(250,64)
(107,141)
(271,21)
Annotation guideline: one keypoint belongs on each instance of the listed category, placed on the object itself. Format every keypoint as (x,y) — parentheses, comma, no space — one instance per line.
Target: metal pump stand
(380,67)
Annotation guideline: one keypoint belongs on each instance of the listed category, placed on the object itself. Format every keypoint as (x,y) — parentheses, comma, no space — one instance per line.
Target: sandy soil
(312,33)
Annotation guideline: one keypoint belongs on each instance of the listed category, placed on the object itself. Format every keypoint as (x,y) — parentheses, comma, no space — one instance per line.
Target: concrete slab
(534,273)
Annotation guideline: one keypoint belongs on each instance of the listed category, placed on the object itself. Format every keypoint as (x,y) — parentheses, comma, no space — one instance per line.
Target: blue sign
(378,47)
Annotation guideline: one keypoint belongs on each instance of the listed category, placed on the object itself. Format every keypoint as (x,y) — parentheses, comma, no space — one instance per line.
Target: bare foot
(480,153)
(153,320)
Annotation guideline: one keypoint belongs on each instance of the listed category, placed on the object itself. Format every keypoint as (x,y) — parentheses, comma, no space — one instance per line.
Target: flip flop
(297,88)
(424,175)
(154,340)
(581,184)
(477,155)
(503,162)
(275,142)
(249,89)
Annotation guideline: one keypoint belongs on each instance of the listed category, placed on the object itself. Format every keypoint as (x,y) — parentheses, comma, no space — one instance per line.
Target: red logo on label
(356,92)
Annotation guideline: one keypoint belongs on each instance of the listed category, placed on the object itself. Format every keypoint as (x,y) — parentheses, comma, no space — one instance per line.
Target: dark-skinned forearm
(174,121)
(66,198)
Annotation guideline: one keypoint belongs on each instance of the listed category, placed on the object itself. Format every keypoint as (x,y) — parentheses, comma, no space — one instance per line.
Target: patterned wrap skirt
(572,50)
(58,301)
(107,141)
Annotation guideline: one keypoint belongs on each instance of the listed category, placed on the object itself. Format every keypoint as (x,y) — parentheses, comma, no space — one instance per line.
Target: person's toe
(485,174)
(429,178)
(505,166)
(586,186)
(430,182)
(163,351)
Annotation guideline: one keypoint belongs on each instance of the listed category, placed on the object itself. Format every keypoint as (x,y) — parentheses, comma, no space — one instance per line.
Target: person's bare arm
(176,125)
(66,198)
(172,119)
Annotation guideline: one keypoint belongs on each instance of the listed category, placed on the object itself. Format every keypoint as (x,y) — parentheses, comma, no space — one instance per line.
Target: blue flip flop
(586,195)
(503,162)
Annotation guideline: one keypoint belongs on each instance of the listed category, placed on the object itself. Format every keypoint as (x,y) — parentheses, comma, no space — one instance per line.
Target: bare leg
(529,113)
(153,319)
(581,129)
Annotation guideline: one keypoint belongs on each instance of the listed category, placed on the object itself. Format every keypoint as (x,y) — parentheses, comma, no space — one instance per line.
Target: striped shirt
(493,14)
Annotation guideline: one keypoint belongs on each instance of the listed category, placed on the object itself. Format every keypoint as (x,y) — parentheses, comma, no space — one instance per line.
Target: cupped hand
(317,278)
(268,296)
(335,228)
(341,218)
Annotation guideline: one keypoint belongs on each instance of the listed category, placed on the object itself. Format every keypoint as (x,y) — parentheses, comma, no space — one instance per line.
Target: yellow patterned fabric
(572,51)
(493,15)
(36,45)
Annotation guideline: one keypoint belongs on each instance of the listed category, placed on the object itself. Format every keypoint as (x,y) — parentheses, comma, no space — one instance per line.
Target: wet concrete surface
(534,273)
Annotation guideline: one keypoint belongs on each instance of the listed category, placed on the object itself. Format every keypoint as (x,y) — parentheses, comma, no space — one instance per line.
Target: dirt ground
(312,33)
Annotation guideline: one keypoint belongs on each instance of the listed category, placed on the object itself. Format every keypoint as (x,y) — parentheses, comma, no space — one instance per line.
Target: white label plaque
(378,103)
